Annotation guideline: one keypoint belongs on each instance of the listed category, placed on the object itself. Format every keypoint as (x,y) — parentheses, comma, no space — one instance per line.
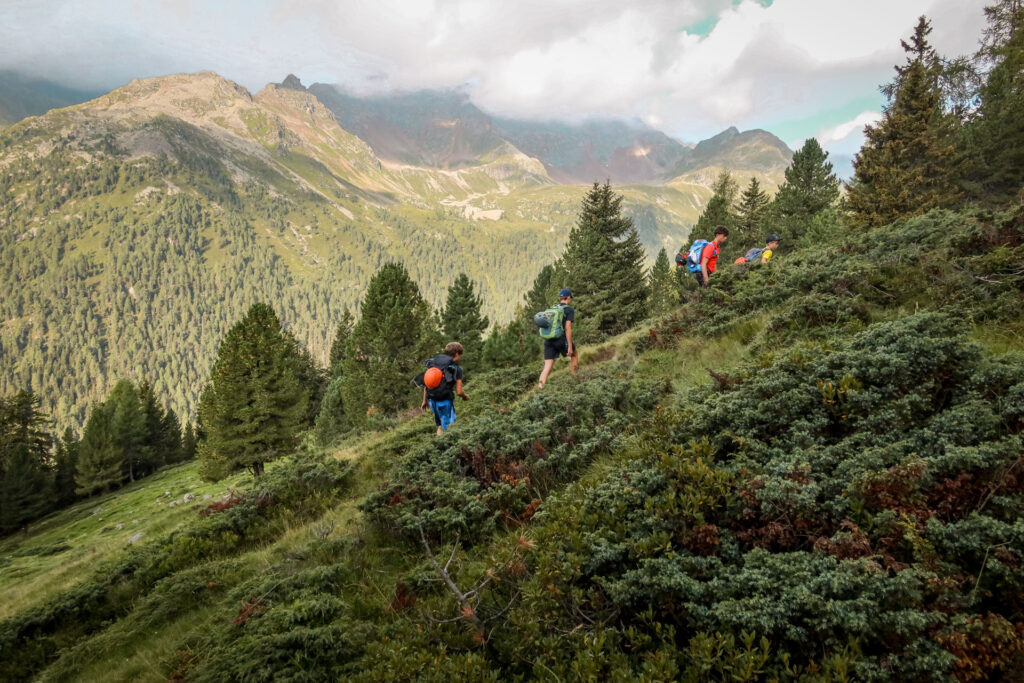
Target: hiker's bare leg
(440,431)
(574,360)
(545,372)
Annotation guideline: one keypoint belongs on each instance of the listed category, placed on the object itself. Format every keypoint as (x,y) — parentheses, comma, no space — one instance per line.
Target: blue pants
(444,413)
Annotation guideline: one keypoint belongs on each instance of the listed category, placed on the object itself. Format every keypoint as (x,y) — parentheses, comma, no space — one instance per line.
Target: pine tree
(330,422)
(169,438)
(908,164)
(719,210)
(65,459)
(751,215)
(341,334)
(996,138)
(128,425)
(462,321)
(26,484)
(312,378)
(388,346)
(604,267)
(188,443)
(726,187)
(545,288)
(664,295)
(513,345)
(152,414)
(810,188)
(99,459)
(254,404)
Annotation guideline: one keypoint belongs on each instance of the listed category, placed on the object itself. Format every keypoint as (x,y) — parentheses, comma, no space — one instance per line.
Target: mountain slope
(137,227)
(812,451)
(444,129)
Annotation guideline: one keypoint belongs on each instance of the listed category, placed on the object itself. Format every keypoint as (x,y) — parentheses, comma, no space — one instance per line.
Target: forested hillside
(137,227)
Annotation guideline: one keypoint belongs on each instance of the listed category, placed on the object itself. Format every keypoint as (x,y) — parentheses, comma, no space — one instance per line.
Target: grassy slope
(146,644)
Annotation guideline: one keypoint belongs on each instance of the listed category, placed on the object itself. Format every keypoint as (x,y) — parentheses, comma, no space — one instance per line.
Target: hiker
(702,258)
(441,381)
(557,335)
(764,254)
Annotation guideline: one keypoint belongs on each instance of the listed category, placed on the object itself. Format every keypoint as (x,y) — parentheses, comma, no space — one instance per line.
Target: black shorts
(553,348)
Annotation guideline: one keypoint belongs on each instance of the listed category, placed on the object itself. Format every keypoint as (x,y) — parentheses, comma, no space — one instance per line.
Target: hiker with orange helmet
(441,381)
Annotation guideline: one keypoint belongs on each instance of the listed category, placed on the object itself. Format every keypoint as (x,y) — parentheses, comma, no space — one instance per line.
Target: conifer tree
(153,437)
(726,187)
(388,346)
(330,422)
(604,267)
(66,464)
(341,334)
(169,438)
(810,188)
(99,459)
(26,484)
(996,138)
(128,425)
(719,210)
(254,404)
(312,378)
(462,321)
(664,295)
(908,164)
(751,215)
(188,443)
(544,290)
(513,345)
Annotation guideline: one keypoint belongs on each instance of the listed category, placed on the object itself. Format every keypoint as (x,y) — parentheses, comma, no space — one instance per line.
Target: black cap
(772,238)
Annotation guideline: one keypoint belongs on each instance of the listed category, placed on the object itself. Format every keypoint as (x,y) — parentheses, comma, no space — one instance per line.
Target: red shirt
(710,252)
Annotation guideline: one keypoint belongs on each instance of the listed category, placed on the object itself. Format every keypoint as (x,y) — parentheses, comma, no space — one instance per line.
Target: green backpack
(556,322)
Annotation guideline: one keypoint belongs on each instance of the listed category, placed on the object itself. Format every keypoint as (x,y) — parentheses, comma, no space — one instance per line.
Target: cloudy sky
(691,68)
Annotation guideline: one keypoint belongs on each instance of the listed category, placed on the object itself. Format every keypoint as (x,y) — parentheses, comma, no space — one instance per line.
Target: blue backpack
(754,254)
(693,256)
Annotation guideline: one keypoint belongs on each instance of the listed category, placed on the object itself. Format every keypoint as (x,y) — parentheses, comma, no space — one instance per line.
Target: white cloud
(539,58)
(847,137)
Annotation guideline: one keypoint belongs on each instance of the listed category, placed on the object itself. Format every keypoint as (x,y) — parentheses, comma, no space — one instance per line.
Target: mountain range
(136,227)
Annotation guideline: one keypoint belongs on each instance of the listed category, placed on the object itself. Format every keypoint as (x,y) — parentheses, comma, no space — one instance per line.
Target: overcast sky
(691,68)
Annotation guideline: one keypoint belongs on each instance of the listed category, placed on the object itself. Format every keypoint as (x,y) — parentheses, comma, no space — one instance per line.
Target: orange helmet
(432,378)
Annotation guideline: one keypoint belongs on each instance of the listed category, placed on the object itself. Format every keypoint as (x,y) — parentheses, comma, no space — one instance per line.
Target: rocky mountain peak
(292,82)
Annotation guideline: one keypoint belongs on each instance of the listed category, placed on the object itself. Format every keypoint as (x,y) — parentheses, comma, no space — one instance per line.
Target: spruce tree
(128,425)
(719,209)
(254,404)
(26,484)
(810,188)
(330,422)
(388,346)
(513,345)
(341,334)
(188,443)
(751,214)
(604,267)
(169,438)
(462,321)
(664,295)
(66,465)
(908,164)
(99,458)
(996,138)
(544,291)
(152,416)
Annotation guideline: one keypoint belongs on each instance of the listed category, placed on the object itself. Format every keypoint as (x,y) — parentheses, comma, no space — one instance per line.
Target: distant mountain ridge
(444,129)
(22,96)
